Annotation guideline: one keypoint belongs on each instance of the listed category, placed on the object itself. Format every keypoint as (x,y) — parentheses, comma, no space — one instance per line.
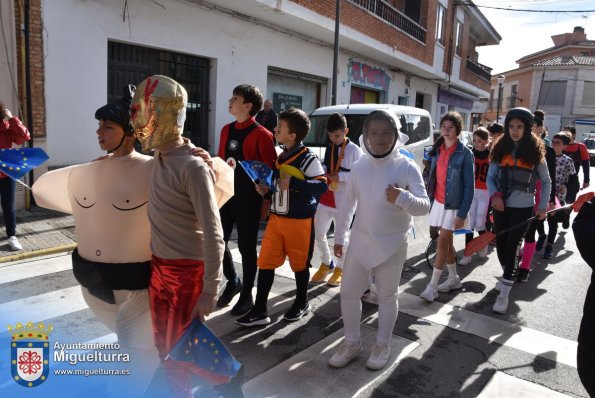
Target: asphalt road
(456,347)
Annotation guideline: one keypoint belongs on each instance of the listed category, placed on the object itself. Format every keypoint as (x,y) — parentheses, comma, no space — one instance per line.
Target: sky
(524,33)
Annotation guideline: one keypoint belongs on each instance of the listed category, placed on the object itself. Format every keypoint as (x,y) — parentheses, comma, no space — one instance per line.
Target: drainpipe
(27,61)
(451,42)
(336,53)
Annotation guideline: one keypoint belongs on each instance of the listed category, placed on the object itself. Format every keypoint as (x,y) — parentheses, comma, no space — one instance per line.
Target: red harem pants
(174,289)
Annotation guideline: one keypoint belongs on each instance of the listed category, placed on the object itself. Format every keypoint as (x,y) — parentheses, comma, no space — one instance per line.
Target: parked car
(416,123)
(590,144)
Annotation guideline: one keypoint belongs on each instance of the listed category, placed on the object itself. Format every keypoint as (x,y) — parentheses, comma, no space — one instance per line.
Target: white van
(415,122)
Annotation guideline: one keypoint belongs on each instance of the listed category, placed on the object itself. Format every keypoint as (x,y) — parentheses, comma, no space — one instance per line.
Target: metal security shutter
(132,64)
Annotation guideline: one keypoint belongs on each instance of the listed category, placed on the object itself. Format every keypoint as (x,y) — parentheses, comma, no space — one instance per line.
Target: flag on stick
(201,352)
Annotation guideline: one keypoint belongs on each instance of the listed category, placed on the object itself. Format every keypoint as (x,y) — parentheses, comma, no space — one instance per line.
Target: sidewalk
(40,231)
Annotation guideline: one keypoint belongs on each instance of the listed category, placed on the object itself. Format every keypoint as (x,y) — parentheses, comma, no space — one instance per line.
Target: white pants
(479,209)
(355,282)
(130,319)
(323,218)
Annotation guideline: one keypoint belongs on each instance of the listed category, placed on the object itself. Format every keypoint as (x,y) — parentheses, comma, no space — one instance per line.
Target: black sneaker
(243,305)
(548,252)
(231,289)
(297,311)
(540,242)
(254,318)
(523,275)
(566,222)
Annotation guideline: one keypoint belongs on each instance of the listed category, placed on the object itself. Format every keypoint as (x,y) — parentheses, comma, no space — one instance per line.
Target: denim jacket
(460,180)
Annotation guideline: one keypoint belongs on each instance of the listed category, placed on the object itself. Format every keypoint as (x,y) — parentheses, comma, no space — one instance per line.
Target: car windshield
(590,144)
(318,135)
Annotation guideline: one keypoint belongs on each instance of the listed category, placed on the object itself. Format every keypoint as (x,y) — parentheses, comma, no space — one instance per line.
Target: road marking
(554,348)
(61,302)
(31,269)
(503,385)
(508,334)
(307,373)
(43,306)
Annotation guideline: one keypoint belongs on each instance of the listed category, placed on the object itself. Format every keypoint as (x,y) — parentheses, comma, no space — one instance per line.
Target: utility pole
(500,80)
(336,53)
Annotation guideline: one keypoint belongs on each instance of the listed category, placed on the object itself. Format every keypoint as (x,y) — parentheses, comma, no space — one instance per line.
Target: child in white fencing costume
(385,189)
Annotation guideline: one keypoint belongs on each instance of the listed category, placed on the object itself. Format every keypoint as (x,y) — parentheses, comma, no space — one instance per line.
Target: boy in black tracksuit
(243,139)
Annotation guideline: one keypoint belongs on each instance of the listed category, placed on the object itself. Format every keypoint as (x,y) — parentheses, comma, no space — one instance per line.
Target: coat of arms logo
(29,352)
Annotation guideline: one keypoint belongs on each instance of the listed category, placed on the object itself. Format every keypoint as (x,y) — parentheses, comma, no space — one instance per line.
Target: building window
(552,93)
(440,24)
(491,105)
(459,38)
(129,63)
(513,95)
(589,94)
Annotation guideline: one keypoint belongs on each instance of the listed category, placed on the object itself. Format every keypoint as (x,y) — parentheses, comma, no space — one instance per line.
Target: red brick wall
(36,65)
(367,23)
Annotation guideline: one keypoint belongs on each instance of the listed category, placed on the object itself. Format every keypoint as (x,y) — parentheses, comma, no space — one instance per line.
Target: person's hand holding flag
(258,172)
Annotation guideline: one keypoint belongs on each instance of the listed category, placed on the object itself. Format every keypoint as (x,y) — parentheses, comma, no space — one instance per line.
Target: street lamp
(500,80)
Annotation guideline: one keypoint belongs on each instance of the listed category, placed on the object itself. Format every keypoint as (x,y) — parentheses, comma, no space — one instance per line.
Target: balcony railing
(394,17)
(480,70)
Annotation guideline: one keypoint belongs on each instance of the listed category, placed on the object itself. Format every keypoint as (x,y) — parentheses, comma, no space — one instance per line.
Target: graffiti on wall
(371,76)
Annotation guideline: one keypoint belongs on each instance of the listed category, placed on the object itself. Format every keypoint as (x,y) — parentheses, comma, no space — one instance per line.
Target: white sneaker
(14,244)
(500,305)
(465,260)
(483,253)
(379,357)
(450,284)
(429,294)
(498,286)
(346,352)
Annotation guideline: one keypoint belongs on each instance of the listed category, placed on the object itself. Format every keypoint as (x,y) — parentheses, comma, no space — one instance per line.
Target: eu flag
(258,172)
(16,162)
(200,351)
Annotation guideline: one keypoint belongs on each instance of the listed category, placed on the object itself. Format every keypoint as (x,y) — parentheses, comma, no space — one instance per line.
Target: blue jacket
(460,180)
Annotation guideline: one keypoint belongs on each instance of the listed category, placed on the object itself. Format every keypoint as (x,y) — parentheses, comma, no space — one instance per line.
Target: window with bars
(131,64)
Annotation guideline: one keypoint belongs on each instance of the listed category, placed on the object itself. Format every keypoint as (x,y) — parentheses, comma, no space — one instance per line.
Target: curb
(38,253)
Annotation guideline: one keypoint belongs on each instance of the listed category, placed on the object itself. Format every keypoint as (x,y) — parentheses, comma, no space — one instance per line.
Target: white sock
(452,271)
(505,287)
(436,274)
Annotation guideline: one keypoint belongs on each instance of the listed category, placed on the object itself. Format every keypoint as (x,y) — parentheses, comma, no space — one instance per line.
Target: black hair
(496,128)
(335,122)
(252,95)
(119,111)
(298,122)
(538,117)
(572,129)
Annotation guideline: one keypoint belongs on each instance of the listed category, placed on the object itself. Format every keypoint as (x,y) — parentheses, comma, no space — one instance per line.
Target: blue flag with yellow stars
(16,162)
(201,352)
(259,172)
